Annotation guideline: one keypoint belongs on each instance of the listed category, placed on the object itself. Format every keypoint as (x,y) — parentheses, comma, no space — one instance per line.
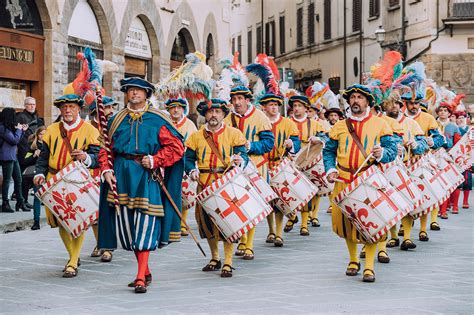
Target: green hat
(241,90)
(204,106)
(68,98)
(299,98)
(270,97)
(359,88)
(137,82)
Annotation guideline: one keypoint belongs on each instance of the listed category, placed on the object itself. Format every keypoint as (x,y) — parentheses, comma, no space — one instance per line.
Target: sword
(157,175)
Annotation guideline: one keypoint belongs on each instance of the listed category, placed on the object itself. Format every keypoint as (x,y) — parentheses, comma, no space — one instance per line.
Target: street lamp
(380,35)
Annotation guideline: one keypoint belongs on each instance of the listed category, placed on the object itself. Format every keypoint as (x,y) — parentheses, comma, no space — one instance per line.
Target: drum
(372,204)
(462,151)
(233,204)
(293,188)
(317,175)
(259,183)
(396,173)
(431,181)
(446,164)
(72,196)
(189,192)
(308,156)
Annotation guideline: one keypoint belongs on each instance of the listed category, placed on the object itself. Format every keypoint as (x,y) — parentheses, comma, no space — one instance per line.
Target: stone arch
(152,21)
(210,28)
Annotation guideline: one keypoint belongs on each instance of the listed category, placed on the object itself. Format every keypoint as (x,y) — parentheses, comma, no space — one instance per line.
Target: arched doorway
(210,53)
(21,54)
(183,44)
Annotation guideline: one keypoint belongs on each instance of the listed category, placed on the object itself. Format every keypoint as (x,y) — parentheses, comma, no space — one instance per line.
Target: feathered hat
(413,79)
(321,96)
(192,80)
(233,79)
(266,70)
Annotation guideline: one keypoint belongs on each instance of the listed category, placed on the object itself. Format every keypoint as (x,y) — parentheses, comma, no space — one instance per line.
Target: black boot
(6,207)
(36,226)
(21,205)
(28,205)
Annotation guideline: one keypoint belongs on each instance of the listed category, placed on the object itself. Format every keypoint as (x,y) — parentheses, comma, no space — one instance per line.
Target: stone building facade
(143,37)
(335,40)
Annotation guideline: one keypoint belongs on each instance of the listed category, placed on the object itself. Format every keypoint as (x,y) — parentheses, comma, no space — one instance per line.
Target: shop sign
(17,54)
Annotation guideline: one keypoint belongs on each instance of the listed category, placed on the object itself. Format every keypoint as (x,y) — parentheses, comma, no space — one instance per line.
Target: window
(259,39)
(327,19)
(239,47)
(393,3)
(270,38)
(233,44)
(74,65)
(282,34)
(249,47)
(356,15)
(311,38)
(374,8)
(299,27)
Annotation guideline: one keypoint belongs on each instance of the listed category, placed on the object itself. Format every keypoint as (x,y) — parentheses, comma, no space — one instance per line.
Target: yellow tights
(73,245)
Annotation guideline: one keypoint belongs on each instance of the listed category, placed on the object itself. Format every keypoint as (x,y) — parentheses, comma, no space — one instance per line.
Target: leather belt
(131,156)
(213,170)
(52,171)
(353,170)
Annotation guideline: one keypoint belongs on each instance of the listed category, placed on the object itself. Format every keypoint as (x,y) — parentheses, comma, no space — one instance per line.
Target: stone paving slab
(306,276)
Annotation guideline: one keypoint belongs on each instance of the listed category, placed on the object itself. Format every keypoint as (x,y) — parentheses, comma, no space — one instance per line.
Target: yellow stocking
(382,246)
(304,219)
(213,246)
(407,222)
(243,239)
(434,215)
(352,248)
(95,229)
(67,240)
(279,223)
(315,207)
(370,250)
(423,222)
(393,232)
(271,222)
(76,249)
(184,214)
(250,235)
(228,252)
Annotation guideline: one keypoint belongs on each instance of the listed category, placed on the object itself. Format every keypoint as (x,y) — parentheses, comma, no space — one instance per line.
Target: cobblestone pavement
(305,276)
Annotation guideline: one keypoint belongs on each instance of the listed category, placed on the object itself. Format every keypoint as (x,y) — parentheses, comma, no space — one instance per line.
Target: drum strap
(234,122)
(65,137)
(355,137)
(213,146)
(308,123)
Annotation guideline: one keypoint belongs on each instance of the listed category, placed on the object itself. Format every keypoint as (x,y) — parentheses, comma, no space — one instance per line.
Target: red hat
(460,114)
(446,105)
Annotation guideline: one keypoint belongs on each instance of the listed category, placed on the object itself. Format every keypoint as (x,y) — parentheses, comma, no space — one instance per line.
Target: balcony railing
(462,9)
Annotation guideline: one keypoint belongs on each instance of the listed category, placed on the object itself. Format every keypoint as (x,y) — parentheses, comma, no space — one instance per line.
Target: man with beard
(286,141)
(434,139)
(414,144)
(70,139)
(342,157)
(310,132)
(213,149)
(29,116)
(144,145)
(333,115)
(178,108)
(256,127)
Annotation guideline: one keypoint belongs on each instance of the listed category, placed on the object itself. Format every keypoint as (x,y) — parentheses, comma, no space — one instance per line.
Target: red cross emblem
(384,196)
(441,177)
(234,205)
(405,184)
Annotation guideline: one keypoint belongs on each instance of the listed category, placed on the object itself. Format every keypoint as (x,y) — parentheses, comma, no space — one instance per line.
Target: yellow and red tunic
(283,128)
(186,127)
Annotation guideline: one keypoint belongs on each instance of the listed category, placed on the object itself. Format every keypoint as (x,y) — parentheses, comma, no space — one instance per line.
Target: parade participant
(310,132)
(341,163)
(143,141)
(461,121)
(434,139)
(451,135)
(286,141)
(178,109)
(213,148)
(333,115)
(70,139)
(256,127)
(109,104)
(414,144)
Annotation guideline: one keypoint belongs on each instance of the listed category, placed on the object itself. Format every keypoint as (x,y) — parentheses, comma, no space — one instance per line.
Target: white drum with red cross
(259,183)
(233,204)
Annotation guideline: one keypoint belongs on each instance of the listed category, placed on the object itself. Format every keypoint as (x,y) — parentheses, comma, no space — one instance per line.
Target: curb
(19,225)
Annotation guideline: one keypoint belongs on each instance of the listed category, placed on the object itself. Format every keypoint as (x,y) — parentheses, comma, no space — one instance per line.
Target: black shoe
(28,205)
(21,206)
(6,207)
(36,226)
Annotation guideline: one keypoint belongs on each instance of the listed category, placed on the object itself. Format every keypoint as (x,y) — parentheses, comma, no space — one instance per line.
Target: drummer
(434,139)
(178,109)
(256,127)
(109,105)
(310,132)
(55,155)
(214,148)
(342,158)
(286,141)
(414,143)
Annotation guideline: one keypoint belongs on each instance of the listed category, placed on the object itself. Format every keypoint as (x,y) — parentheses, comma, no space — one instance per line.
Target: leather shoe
(6,207)
(369,275)
(407,244)
(22,207)
(35,226)
(28,205)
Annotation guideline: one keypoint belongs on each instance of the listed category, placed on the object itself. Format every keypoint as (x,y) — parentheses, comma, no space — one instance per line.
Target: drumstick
(307,151)
(363,164)
(162,184)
